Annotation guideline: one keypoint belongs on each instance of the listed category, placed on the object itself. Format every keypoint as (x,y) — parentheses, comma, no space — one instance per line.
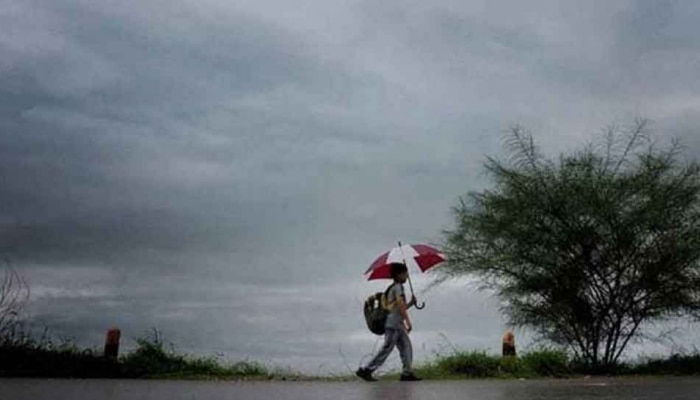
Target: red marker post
(112,343)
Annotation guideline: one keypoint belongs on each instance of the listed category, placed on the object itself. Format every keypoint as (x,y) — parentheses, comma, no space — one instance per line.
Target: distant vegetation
(22,356)
(547,363)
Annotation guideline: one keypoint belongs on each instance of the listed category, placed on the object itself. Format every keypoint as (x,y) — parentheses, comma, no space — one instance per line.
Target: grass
(545,362)
(676,364)
(478,364)
(22,356)
(151,359)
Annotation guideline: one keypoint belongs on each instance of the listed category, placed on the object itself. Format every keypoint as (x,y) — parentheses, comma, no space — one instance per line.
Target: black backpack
(375,313)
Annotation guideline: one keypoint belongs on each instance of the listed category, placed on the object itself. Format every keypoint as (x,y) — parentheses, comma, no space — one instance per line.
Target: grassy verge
(26,357)
(480,365)
(676,364)
(545,363)
(151,359)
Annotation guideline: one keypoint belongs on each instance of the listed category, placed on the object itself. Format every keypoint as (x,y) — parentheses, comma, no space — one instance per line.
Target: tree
(587,248)
(14,293)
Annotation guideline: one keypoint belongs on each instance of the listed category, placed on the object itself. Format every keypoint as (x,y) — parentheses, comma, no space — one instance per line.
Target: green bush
(676,364)
(546,362)
(22,355)
(35,360)
(153,360)
(512,366)
(476,364)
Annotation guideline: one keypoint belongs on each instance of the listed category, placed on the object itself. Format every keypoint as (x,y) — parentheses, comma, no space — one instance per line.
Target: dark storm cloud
(117,165)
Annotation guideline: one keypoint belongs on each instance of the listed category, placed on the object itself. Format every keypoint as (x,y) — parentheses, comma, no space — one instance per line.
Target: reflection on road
(572,389)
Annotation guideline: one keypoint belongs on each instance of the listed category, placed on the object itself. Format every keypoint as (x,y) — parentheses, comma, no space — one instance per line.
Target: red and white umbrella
(424,256)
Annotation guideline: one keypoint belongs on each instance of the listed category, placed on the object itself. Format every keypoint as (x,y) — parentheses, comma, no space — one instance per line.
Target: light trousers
(394,337)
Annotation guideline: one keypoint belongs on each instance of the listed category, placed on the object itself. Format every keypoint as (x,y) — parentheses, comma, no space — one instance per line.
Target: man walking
(398,326)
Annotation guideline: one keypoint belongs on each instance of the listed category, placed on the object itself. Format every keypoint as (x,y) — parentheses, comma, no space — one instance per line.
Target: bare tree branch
(14,294)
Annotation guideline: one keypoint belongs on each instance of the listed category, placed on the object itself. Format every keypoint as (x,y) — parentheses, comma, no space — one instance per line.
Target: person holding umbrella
(392,264)
(398,326)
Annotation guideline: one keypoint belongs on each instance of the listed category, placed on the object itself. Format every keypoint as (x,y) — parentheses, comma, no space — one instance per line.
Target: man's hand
(409,326)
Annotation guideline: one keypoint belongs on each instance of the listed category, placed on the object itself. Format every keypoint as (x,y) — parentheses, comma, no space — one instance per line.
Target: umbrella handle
(422,305)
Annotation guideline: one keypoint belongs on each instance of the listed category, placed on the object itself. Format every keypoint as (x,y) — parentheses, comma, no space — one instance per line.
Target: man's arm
(411,303)
(403,310)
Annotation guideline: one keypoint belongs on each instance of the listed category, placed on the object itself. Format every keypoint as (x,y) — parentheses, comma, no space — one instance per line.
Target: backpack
(375,313)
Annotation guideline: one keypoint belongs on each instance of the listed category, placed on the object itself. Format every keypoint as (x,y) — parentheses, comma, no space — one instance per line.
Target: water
(575,389)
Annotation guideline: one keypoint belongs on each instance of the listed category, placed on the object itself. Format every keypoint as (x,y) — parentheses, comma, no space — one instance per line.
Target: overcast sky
(225,171)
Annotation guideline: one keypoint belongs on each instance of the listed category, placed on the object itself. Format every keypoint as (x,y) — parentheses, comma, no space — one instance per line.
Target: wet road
(579,389)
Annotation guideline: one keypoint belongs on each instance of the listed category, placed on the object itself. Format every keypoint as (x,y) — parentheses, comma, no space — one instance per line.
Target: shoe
(410,377)
(365,374)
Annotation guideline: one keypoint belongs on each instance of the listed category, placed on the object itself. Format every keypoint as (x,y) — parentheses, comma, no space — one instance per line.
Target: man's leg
(406,351)
(390,338)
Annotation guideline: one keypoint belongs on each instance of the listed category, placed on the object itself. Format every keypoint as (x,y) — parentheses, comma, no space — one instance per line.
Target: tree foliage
(586,248)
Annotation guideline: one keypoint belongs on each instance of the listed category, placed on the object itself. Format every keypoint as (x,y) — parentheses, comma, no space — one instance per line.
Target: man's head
(399,272)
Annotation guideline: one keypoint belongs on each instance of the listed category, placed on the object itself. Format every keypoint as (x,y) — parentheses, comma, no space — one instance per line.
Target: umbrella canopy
(424,256)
